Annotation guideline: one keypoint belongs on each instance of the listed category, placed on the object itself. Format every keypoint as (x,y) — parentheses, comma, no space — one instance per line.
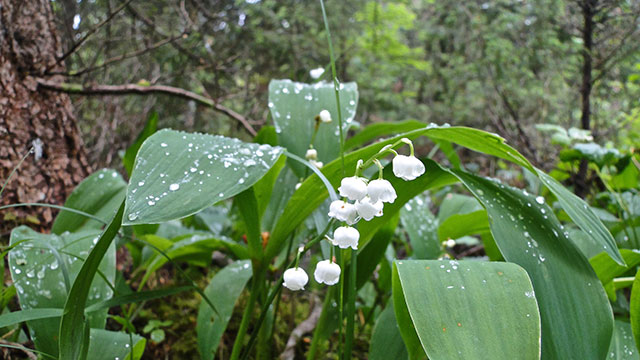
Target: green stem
(336,86)
(278,287)
(351,305)
(322,323)
(246,316)
(341,304)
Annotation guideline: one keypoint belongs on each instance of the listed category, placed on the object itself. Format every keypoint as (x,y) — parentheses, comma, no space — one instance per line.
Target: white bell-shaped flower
(367,208)
(325,116)
(354,188)
(407,167)
(317,164)
(381,190)
(295,279)
(312,154)
(316,73)
(343,211)
(327,272)
(345,237)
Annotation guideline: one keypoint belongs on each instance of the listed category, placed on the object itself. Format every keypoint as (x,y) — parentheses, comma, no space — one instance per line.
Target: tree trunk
(29,47)
(588,12)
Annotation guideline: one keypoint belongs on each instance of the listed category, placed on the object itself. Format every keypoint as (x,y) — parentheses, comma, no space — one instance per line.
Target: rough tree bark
(28,46)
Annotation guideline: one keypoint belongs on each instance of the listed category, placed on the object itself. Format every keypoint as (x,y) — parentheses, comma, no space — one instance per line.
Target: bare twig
(90,32)
(92,90)
(304,327)
(120,57)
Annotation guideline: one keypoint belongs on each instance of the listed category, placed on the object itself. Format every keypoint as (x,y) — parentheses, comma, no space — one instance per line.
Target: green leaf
(583,216)
(19,316)
(374,131)
(178,174)
(457,204)
(386,341)
(109,345)
(100,194)
(451,303)
(570,296)
(607,269)
(475,223)
(43,266)
(157,335)
(294,107)
(73,330)
(622,345)
(421,226)
(130,155)
(635,309)
(224,290)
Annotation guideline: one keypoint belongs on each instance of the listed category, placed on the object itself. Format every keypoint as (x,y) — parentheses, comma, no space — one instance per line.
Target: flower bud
(325,116)
(295,279)
(345,237)
(354,188)
(407,167)
(317,164)
(343,211)
(311,154)
(381,190)
(327,272)
(367,208)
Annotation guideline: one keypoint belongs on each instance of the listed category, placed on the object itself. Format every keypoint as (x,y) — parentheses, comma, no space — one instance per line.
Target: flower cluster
(368,198)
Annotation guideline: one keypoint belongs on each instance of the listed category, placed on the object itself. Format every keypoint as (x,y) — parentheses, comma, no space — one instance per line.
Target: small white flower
(345,237)
(367,208)
(450,243)
(327,272)
(382,190)
(325,116)
(316,73)
(407,167)
(317,164)
(298,185)
(343,211)
(311,154)
(353,188)
(295,279)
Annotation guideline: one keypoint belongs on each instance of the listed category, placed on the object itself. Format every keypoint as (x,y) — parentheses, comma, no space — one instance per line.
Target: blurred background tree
(499,65)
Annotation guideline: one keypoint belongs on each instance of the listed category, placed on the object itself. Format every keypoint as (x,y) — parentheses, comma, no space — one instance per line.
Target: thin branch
(120,57)
(92,90)
(90,32)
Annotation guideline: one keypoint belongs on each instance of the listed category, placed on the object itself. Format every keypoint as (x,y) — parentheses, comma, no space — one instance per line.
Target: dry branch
(125,89)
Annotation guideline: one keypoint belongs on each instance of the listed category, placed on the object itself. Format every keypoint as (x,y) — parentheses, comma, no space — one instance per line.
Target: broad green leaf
(374,131)
(148,130)
(459,225)
(43,266)
(571,298)
(622,344)
(248,208)
(583,216)
(470,309)
(224,289)
(369,256)
(110,345)
(386,341)
(19,316)
(421,226)
(100,194)
(634,309)
(74,332)
(294,107)
(607,269)
(457,204)
(406,325)
(178,174)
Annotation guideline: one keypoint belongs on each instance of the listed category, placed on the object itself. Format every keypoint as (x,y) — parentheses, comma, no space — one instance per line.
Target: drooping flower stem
(336,85)
(275,290)
(380,154)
